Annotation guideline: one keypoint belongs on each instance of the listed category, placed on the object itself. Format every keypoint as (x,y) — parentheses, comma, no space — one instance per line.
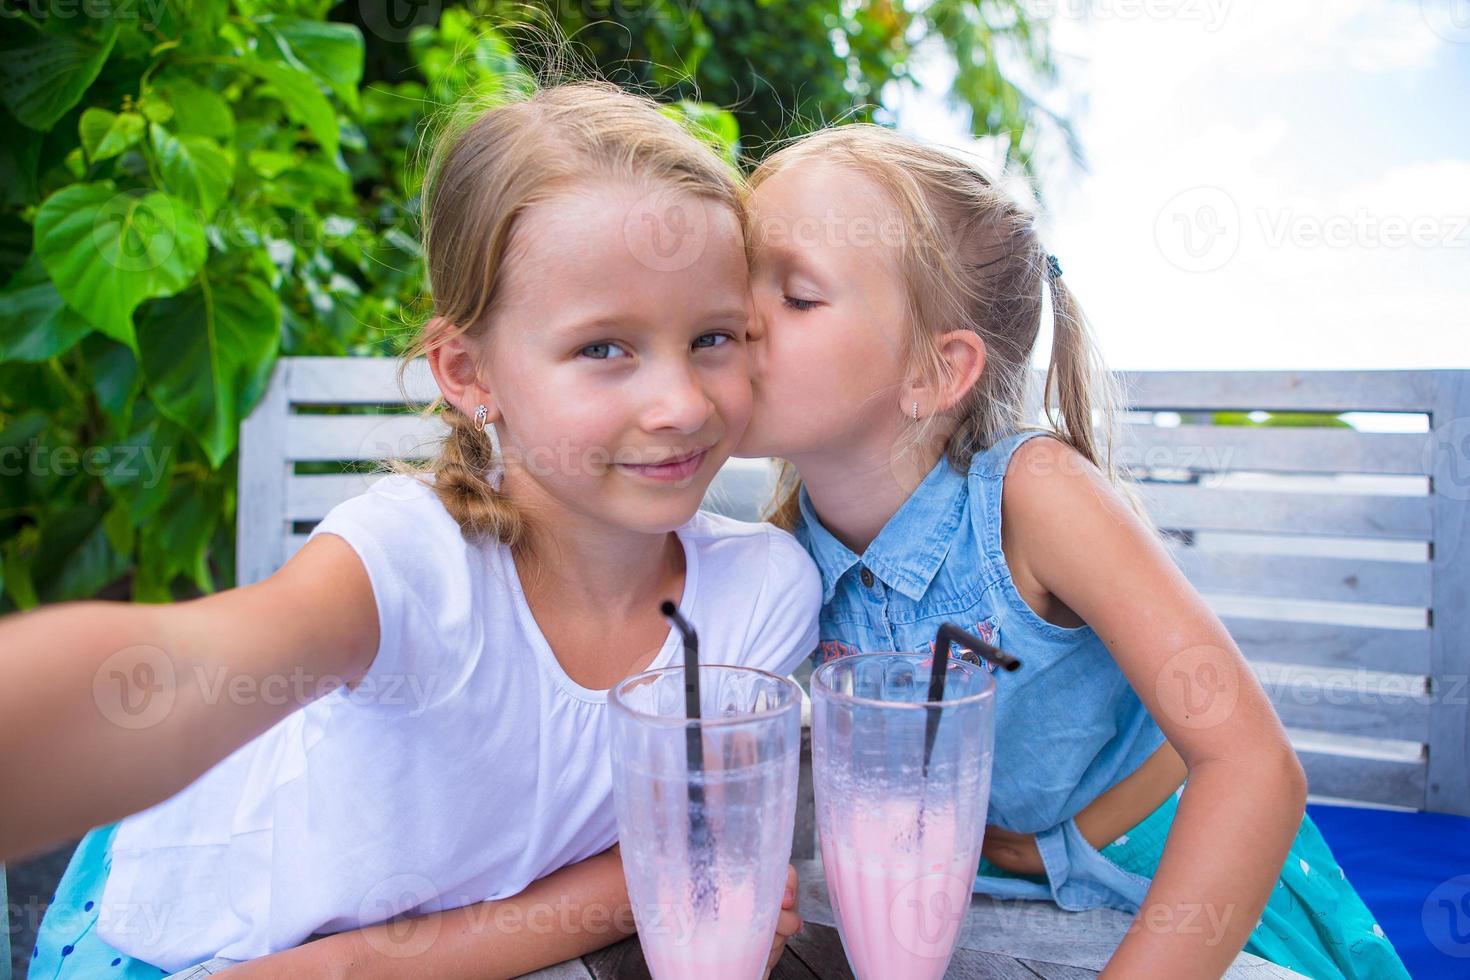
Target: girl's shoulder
(1035,449)
(399,512)
(758,583)
(737,541)
(755,554)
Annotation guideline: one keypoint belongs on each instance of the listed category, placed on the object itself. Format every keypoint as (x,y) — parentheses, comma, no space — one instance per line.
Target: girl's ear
(964,353)
(454,360)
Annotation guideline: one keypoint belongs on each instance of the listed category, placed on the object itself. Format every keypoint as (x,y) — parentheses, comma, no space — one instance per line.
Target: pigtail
(1080,393)
(462,483)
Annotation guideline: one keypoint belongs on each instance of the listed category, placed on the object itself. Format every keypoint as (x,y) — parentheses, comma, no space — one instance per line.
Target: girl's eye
(713,340)
(794,303)
(603,351)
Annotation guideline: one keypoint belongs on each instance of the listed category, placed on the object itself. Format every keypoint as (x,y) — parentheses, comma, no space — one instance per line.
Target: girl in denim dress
(899,296)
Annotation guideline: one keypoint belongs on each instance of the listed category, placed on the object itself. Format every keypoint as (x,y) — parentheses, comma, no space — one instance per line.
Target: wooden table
(1001,940)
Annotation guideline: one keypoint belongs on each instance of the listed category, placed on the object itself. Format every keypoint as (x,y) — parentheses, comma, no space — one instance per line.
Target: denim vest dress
(1068,725)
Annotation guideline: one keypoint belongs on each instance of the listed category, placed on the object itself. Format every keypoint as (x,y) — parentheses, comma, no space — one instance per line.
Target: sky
(1266,185)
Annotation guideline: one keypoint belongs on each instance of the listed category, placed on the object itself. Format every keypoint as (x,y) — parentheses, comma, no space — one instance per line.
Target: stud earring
(481,413)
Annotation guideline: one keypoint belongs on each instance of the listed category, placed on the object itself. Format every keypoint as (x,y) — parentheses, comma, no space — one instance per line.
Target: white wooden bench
(1338,558)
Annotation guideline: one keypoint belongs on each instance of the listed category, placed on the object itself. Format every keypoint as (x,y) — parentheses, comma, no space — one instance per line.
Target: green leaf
(304,102)
(114,373)
(20,157)
(156,111)
(45,73)
(206,356)
(196,109)
(139,467)
(106,134)
(75,558)
(18,584)
(195,168)
(270,164)
(332,52)
(108,251)
(35,323)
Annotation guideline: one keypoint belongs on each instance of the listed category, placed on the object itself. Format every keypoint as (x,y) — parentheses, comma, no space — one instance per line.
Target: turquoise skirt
(1314,922)
(66,942)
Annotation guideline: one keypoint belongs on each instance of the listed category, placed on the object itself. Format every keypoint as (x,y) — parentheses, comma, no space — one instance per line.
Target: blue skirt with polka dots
(67,944)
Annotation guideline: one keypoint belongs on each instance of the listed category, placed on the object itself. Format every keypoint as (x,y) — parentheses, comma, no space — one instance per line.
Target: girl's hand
(1013,852)
(788,923)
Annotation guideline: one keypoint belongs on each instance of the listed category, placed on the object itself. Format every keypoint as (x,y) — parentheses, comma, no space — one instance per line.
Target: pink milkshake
(899,893)
(728,942)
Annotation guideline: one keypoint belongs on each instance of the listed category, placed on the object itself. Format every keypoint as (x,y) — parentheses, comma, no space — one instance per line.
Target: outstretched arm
(107,708)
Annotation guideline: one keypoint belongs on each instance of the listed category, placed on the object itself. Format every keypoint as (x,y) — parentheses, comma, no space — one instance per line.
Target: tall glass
(900,839)
(705,846)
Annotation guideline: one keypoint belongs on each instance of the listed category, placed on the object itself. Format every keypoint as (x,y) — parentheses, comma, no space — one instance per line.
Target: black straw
(949,634)
(693,742)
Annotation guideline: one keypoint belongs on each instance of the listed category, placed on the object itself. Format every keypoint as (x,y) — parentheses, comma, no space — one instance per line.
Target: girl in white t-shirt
(454,631)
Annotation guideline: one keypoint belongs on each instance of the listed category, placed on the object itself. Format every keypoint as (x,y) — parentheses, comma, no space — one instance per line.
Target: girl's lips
(672,471)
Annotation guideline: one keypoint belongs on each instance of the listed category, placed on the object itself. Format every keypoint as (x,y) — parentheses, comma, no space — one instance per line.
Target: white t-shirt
(465,764)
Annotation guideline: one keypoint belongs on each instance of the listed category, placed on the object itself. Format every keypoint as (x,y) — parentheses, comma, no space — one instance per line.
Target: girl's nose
(679,403)
(757,329)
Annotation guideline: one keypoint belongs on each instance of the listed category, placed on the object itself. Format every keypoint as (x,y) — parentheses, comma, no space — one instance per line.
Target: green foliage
(787,66)
(185,200)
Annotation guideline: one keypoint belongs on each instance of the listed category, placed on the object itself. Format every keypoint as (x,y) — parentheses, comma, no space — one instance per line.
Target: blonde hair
(971,258)
(488,168)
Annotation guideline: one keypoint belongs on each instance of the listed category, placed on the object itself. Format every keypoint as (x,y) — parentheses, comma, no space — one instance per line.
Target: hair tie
(1053,267)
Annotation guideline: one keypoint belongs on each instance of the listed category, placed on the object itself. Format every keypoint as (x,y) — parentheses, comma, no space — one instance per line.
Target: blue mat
(1413,872)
